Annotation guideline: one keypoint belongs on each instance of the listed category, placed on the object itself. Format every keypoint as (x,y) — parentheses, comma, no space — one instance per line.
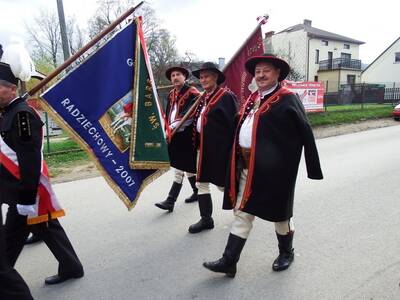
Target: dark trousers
(52,234)
(12,286)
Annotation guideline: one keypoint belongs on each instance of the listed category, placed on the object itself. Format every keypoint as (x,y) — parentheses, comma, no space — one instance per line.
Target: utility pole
(63,29)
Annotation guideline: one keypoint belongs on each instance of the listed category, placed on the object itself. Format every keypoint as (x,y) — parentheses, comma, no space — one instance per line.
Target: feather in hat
(16,55)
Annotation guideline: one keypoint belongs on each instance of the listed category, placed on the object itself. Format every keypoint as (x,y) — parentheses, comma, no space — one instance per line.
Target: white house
(385,68)
(317,55)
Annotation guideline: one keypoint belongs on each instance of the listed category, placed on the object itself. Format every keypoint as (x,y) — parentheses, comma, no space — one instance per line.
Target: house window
(351,79)
(397,57)
(316,56)
(346,56)
(346,46)
(324,43)
(316,78)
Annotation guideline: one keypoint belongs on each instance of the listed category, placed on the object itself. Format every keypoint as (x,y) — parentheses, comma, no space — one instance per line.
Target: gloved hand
(26,210)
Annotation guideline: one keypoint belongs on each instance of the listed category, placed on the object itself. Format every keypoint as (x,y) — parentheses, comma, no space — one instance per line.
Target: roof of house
(315,32)
(398,39)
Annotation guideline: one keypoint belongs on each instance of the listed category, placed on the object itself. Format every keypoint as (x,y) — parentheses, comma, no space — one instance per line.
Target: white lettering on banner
(87,125)
(66,101)
(96,136)
(84,122)
(75,113)
(69,108)
(82,117)
(129,62)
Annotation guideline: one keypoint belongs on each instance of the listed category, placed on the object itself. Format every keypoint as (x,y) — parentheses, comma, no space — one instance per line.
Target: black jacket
(282,130)
(215,141)
(21,130)
(181,150)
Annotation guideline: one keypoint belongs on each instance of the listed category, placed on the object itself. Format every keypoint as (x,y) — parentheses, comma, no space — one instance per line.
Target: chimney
(269,34)
(268,42)
(307,22)
(221,62)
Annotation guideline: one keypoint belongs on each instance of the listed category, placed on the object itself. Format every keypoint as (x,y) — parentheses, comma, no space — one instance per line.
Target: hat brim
(169,71)
(221,76)
(6,74)
(282,65)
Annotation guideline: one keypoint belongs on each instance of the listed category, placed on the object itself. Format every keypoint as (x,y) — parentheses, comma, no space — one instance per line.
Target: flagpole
(97,38)
(241,47)
(187,115)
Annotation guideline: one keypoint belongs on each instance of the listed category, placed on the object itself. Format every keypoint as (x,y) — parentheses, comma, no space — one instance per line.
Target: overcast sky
(213,29)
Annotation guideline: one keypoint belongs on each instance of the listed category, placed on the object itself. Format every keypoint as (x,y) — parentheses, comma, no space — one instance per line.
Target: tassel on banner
(263,19)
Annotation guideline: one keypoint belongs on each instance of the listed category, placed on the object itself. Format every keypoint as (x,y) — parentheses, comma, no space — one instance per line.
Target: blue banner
(94,102)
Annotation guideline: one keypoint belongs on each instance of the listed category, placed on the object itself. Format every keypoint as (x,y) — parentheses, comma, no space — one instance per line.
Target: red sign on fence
(311,94)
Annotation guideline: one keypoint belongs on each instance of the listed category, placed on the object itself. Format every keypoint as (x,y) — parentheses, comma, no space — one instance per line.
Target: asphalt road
(347,238)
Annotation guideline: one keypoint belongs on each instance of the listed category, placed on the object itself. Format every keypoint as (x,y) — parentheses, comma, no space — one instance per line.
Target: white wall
(335,47)
(292,46)
(384,69)
(300,56)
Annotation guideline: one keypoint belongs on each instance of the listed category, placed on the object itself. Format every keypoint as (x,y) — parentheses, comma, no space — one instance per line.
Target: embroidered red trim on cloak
(212,102)
(264,108)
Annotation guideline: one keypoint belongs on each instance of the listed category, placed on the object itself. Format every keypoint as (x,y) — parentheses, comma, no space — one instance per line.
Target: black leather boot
(227,263)
(173,194)
(206,221)
(32,239)
(286,252)
(192,198)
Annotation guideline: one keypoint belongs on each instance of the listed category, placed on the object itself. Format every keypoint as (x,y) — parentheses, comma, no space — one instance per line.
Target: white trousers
(243,222)
(179,175)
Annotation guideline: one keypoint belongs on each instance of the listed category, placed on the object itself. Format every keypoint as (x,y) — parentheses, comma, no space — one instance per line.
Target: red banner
(237,78)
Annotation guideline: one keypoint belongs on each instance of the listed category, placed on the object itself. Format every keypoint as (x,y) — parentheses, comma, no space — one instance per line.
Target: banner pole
(187,115)
(69,61)
(241,47)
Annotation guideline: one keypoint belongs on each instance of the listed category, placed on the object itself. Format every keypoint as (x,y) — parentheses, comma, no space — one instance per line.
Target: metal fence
(343,93)
(336,93)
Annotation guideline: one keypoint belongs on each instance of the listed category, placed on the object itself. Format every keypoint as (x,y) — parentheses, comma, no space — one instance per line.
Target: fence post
(47,131)
(394,94)
(362,95)
(326,91)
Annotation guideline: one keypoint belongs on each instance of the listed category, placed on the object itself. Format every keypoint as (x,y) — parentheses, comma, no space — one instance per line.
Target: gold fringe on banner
(65,126)
(148,165)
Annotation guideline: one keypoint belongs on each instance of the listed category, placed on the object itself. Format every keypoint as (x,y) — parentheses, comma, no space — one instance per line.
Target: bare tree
(44,33)
(160,43)
(289,56)
(106,13)
(76,35)
(162,53)
(109,10)
(150,21)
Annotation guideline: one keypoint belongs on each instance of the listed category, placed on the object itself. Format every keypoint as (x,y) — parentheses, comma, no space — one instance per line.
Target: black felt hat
(6,74)
(169,71)
(210,66)
(269,58)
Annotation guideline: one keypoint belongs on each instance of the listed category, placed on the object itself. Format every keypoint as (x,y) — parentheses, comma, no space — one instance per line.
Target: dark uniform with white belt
(12,285)
(271,132)
(21,131)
